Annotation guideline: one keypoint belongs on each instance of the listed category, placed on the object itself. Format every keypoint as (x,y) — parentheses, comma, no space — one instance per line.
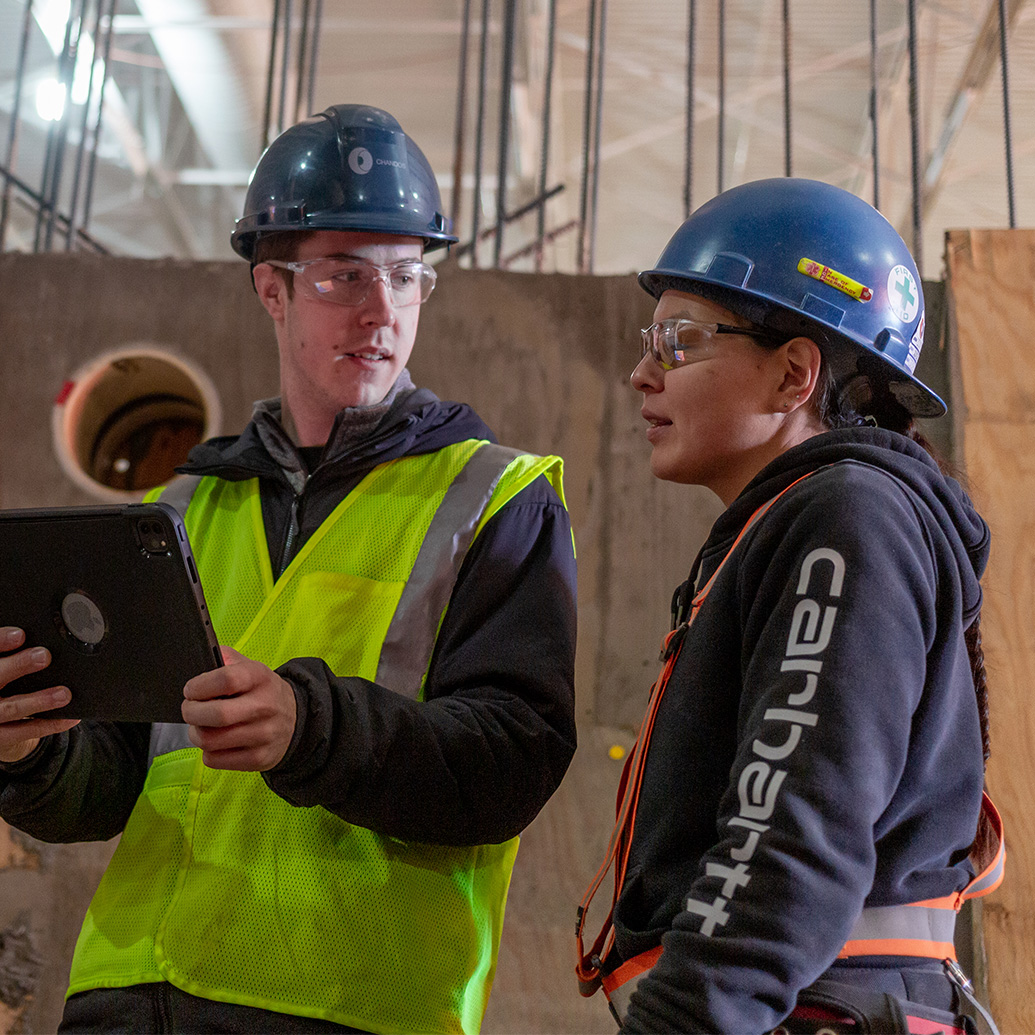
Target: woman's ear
(271,289)
(801,362)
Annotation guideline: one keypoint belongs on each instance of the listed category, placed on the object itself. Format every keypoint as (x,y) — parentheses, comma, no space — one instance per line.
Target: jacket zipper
(291,536)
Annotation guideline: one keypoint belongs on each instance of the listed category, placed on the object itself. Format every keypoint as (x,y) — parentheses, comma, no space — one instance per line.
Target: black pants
(153,1008)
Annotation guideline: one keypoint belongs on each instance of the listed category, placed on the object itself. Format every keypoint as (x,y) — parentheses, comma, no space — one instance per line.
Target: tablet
(113,593)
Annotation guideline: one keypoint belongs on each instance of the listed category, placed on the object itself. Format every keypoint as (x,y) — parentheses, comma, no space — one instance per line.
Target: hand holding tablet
(113,594)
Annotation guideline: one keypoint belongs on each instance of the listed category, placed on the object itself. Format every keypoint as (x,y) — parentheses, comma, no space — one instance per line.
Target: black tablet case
(113,593)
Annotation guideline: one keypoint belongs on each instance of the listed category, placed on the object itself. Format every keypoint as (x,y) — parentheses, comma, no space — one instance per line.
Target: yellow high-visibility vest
(226,891)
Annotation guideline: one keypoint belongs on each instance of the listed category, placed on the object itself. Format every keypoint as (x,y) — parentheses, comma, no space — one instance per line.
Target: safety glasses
(349,281)
(674,343)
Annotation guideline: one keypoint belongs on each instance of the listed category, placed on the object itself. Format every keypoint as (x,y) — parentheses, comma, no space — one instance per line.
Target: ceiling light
(50,100)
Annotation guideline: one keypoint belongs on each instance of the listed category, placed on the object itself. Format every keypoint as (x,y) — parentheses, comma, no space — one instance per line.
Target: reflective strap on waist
(926,928)
(903,930)
(911,930)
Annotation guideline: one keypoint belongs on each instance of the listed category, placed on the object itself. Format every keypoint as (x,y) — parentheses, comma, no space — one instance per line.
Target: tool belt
(832,1008)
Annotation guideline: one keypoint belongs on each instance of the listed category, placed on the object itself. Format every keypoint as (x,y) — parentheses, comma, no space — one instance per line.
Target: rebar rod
(285,65)
(303,57)
(544,144)
(691,71)
(597,135)
(503,149)
(587,128)
(786,18)
(461,117)
(91,172)
(479,132)
(721,146)
(12,129)
(874,105)
(1007,136)
(914,139)
(314,53)
(271,67)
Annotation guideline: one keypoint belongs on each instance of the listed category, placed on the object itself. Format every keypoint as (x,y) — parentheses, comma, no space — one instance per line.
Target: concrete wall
(545,360)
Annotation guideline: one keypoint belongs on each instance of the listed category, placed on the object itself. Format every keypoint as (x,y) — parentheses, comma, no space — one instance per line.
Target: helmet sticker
(916,343)
(818,271)
(360,161)
(903,294)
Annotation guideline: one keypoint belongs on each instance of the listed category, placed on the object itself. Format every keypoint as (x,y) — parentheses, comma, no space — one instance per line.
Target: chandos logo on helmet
(360,161)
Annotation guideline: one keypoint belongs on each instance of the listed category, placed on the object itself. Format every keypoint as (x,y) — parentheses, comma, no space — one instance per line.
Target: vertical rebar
(81,150)
(914,139)
(721,144)
(786,14)
(597,136)
(874,105)
(98,120)
(503,150)
(314,51)
(271,74)
(479,133)
(587,129)
(57,141)
(285,65)
(688,154)
(544,147)
(12,131)
(303,56)
(1007,137)
(461,117)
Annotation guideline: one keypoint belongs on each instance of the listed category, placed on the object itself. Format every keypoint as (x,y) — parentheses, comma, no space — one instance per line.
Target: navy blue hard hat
(804,257)
(349,168)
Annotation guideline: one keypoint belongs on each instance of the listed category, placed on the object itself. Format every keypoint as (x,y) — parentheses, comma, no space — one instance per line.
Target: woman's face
(715,419)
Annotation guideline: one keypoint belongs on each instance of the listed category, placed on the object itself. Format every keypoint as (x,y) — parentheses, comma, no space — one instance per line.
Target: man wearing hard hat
(326,843)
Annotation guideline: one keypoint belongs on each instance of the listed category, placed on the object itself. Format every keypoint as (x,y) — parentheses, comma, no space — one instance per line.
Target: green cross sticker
(903,294)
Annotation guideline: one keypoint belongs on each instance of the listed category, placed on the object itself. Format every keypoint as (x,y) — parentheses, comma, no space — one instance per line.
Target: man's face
(333,356)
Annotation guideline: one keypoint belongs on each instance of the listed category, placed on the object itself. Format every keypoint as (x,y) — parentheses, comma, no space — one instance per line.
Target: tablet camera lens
(152,536)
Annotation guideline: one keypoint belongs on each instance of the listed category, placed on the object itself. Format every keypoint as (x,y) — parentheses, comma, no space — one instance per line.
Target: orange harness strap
(921,929)
(589,964)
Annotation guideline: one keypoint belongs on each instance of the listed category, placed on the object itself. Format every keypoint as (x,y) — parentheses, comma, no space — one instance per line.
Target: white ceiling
(187,80)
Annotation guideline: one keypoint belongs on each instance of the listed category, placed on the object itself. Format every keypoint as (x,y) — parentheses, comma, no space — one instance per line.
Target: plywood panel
(992,285)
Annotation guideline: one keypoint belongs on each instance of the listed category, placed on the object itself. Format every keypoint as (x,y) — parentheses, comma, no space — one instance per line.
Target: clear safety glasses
(349,281)
(674,343)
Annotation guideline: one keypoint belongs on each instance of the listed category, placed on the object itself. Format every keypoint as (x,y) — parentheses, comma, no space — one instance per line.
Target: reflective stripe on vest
(224,889)
(410,640)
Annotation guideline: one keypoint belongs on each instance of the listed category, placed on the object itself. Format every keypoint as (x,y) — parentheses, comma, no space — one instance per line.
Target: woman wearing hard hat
(803,813)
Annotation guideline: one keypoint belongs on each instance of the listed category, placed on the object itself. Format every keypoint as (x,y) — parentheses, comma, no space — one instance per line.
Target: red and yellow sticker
(817,270)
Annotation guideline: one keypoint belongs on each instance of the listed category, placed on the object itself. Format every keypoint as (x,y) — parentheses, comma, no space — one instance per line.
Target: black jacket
(472,764)
(862,786)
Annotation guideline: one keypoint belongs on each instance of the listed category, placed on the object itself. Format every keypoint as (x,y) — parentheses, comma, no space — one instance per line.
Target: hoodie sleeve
(479,757)
(80,785)
(856,775)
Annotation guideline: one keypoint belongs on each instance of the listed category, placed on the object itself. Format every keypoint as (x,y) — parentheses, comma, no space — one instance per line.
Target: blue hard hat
(804,257)
(349,168)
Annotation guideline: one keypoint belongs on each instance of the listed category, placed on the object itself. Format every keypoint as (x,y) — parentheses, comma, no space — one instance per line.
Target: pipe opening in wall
(124,422)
